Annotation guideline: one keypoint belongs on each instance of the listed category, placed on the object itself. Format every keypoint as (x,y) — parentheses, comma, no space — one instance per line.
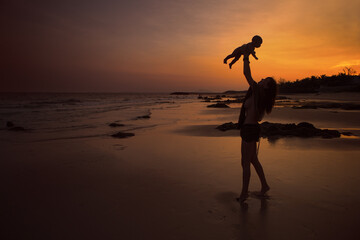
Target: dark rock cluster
(227,126)
(278,130)
(11,127)
(179,93)
(303,129)
(143,117)
(218,105)
(114,124)
(282,98)
(208,99)
(122,135)
(212,98)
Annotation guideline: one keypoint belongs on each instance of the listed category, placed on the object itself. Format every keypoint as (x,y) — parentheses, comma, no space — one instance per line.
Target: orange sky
(159,45)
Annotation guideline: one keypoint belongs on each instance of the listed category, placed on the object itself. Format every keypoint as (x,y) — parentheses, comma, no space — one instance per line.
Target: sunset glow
(164,46)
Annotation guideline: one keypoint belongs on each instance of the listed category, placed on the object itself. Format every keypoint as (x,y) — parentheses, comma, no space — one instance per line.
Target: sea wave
(81,113)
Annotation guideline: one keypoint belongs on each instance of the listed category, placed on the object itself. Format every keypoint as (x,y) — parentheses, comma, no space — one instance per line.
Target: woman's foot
(264,189)
(243,197)
(225,61)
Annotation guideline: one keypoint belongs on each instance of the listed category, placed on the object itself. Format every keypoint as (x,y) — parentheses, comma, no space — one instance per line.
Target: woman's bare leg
(248,151)
(260,172)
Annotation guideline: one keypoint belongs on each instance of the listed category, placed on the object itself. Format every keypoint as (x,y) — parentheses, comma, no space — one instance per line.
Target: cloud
(350,63)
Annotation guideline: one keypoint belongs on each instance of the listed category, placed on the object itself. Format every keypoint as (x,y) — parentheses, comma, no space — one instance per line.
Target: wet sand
(179,180)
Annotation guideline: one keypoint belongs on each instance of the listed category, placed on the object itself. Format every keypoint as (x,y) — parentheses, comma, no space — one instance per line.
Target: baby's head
(257,41)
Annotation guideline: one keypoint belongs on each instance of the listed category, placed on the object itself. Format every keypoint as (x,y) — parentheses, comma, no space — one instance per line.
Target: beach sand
(179,180)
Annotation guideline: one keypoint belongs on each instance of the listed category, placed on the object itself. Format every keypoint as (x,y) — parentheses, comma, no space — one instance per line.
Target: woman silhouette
(260,98)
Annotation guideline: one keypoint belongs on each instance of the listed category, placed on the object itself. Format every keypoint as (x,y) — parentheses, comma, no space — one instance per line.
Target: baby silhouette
(245,50)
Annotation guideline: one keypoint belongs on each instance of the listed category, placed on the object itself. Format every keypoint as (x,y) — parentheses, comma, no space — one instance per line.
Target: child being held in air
(245,50)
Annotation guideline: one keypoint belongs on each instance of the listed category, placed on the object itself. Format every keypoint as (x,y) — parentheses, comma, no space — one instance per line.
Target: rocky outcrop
(218,105)
(303,129)
(143,117)
(179,93)
(278,130)
(228,101)
(227,126)
(114,124)
(11,127)
(122,135)
(282,98)
(146,116)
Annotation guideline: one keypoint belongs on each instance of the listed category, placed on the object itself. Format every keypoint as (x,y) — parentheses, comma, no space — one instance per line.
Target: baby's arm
(253,54)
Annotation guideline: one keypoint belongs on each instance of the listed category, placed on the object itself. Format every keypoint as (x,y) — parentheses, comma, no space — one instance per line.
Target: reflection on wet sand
(248,229)
(344,143)
(251,215)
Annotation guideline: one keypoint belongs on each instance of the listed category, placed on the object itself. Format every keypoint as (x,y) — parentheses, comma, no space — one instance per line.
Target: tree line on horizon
(345,81)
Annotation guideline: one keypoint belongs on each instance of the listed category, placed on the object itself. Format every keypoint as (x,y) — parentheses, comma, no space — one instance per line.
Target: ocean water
(53,116)
(47,116)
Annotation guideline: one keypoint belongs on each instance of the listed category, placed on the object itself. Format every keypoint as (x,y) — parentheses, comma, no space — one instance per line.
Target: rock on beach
(278,130)
(122,135)
(116,124)
(218,105)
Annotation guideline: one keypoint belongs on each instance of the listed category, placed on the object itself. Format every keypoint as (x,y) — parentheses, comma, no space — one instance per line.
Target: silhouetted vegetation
(346,81)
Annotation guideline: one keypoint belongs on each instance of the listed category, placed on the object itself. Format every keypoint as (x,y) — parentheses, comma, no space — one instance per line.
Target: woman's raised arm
(247,73)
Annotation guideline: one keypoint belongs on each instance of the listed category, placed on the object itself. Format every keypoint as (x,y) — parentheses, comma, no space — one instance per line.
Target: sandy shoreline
(174,181)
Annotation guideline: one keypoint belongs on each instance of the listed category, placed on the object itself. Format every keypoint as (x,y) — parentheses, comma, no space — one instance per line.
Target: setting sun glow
(160,46)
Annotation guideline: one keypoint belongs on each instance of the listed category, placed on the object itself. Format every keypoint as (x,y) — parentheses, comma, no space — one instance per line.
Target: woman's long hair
(267,98)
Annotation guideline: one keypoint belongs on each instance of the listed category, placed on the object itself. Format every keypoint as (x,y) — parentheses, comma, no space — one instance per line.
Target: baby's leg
(229,56)
(234,60)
